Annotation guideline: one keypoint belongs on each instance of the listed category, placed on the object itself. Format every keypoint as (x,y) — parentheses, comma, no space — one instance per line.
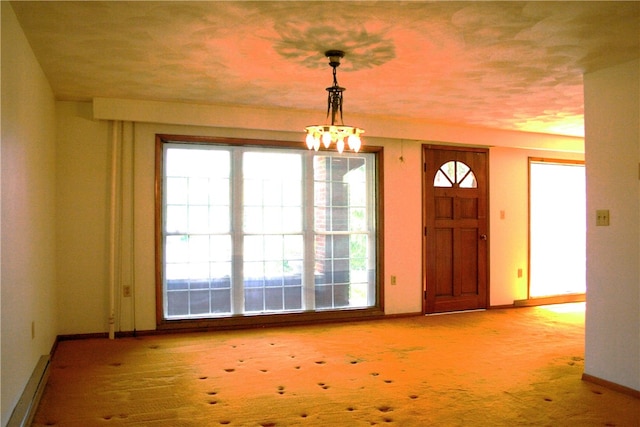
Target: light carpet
(501,367)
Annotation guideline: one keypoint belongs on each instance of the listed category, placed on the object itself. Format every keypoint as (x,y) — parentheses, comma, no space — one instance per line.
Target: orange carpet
(493,368)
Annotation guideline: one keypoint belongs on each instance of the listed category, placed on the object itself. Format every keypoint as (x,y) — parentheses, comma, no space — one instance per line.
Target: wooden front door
(455,220)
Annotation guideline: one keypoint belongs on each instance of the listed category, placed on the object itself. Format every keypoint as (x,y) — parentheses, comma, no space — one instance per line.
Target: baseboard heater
(25,410)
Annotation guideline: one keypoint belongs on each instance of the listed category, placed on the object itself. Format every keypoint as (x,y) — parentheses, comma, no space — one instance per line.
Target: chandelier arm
(329,104)
(335,107)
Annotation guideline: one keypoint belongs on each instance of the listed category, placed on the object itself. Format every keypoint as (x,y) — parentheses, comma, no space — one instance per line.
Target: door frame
(473,149)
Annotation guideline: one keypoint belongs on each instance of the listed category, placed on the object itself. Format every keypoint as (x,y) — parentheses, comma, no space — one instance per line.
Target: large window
(246,230)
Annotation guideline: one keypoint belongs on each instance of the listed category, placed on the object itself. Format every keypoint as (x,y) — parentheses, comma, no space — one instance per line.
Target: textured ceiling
(510,65)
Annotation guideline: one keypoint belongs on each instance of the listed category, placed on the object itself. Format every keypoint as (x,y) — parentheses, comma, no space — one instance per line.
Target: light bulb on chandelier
(334,133)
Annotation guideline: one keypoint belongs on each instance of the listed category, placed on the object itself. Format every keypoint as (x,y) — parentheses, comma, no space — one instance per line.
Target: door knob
(483,236)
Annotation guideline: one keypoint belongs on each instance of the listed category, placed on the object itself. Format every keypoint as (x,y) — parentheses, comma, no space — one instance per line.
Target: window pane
(293,247)
(339,219)
(198,191)
(291,193)
(357,219)
(253,218)
(273,299)
(176,219)
(292,219)
(176,249)
(273,271)
(272,219)
(441,180)
(272,191)
(339,194)
(357,193)
(220,248)
(253,274)
(292,298)
(358,247)
(221,301)
(449,169)
(273,247)
(469,181)
(199,249)
(219,191)
(177,189)
(253,300)
(199,303)
(272,181)
(253,248)
(219,221)
(198,219)
(197,162)
(177,303)
(461,170)
(252,192)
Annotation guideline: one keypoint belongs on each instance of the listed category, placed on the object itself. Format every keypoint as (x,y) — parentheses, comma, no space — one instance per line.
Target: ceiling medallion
(340,134)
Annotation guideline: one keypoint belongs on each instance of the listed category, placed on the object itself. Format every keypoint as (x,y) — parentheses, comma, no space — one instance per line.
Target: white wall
(83,204)
(27,232)
(612,150)
(82,207)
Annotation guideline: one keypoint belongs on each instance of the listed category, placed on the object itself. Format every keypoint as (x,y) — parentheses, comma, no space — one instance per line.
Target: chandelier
(334,133)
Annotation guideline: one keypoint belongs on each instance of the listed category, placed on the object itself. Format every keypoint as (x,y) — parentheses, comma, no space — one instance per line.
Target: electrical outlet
(126,291)
(393,280)
(602,217)
(519,273)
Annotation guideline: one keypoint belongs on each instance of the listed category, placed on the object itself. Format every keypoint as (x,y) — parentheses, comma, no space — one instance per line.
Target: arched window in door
(455,174)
